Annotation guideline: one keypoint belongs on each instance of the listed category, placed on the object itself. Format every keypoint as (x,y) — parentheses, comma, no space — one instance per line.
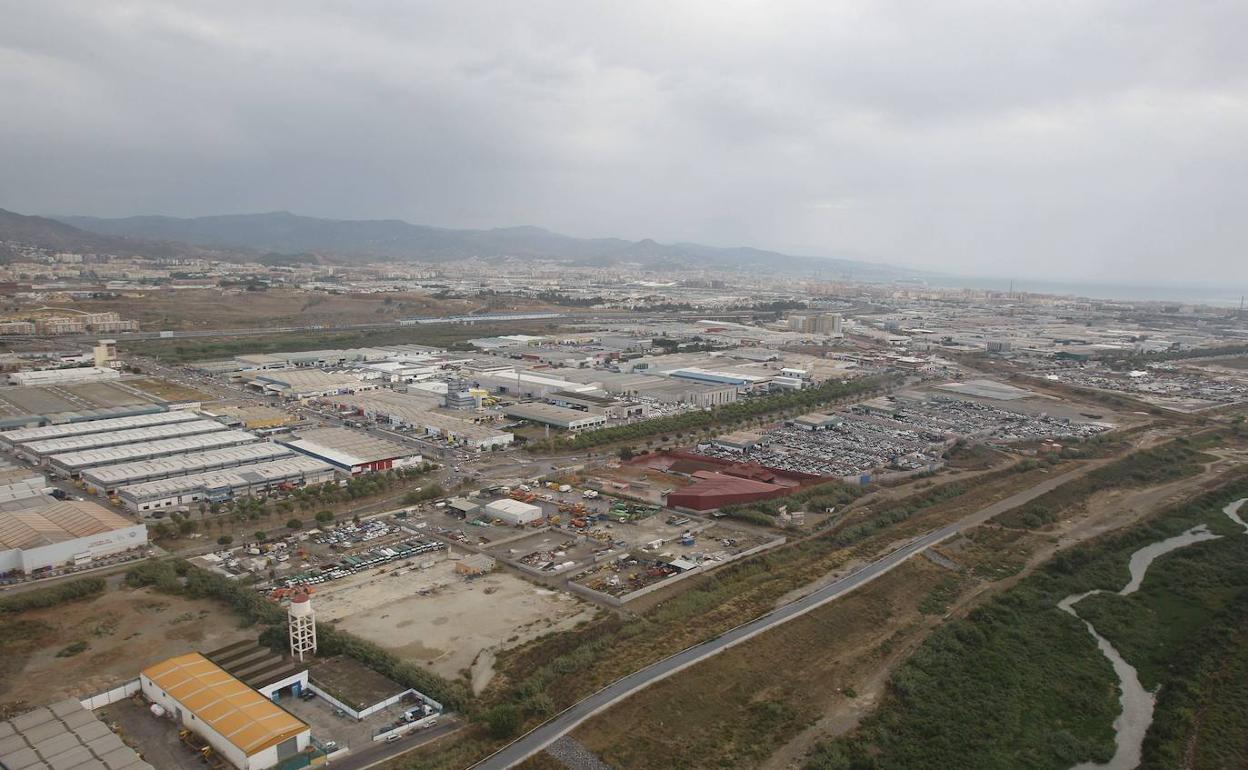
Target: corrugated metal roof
(57,523)
(238,713)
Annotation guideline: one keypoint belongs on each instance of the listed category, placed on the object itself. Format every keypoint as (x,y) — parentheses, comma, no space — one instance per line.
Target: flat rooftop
(346,446)
(132,436)
(352,682)
(188,463)
(119,454)
(64,735)
(242,476)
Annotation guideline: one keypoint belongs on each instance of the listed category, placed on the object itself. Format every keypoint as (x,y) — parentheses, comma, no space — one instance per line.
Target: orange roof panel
(238,713)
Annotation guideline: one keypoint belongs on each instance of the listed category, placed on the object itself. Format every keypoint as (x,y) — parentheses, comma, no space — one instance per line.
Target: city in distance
(846,386)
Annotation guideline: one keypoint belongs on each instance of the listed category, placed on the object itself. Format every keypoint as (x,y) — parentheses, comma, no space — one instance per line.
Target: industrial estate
(434,545)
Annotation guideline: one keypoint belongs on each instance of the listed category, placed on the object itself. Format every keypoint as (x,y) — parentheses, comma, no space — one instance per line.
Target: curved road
(545,734)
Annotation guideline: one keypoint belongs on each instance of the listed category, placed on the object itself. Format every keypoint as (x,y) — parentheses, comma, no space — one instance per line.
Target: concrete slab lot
(443,619)
(55,399)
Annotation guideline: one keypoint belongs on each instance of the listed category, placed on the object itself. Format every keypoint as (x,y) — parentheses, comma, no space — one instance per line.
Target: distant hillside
(392,239)
(50,234)
(53,235)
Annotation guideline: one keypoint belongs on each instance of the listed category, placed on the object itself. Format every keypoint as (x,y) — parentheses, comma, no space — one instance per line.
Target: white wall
(104,544)
(258,761)
(218,742)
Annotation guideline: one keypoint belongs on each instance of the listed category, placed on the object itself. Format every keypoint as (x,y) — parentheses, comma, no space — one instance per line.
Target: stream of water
(1137,703)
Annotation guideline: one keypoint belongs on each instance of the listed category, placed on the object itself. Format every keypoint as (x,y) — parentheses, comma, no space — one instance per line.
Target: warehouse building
(220,486)
(739,441)
(107,479)
(414,411)
(19,484)
(300,384)
(241,725)
(742,382)
(69,532)
(816,421)
(64,735)
(249,417)
(598,401)
(25,435)
(556,416)
(72,464)
(63,376)
(662,389)
(38,451)
(524,384)
(352,451)
(513,512)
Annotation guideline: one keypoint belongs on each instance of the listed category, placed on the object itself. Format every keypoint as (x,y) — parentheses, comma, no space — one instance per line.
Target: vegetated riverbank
(1171,460)
(1021,684)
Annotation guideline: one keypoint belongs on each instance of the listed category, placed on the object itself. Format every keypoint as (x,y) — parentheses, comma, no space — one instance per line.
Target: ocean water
(1190,294)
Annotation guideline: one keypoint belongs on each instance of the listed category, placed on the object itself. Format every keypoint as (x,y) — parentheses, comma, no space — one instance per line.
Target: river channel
(1137,703)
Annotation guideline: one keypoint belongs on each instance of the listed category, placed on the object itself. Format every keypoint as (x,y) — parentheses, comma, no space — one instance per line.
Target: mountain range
(395,240)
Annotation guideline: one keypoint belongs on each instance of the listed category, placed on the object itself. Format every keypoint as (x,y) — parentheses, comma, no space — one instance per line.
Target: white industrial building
(72,464)
(63,376)
(557,416)
(19,484)
(413,411)
(64,533)
(63,430)
(38,451)
(223,485)
(524,384)
(299,384)
(107,479)
(513,512)
(247,729)
(352,451)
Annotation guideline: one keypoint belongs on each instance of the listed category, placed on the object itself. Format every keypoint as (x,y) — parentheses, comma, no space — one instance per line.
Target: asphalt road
(545,734)
(381,752)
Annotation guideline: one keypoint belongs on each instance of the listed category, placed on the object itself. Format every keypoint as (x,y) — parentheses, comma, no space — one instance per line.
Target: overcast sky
(1064,139)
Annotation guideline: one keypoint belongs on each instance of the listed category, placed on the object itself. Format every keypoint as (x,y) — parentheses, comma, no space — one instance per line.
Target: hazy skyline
(1074,141)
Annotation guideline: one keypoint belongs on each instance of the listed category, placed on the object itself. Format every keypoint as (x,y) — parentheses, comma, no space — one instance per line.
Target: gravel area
(575,756)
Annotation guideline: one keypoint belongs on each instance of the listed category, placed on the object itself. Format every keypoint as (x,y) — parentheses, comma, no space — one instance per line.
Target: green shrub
(39,598)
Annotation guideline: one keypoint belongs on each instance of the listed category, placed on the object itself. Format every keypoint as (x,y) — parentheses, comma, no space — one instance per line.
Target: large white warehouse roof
(133,436)
(57,523)
(181,465)
(90,458)
(23,435)
(242,476)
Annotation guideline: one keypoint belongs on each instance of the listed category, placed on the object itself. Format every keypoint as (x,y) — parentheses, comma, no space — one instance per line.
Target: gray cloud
(1081,140)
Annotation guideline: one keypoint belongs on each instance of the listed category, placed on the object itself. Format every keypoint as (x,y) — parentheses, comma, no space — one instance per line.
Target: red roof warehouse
(718,482)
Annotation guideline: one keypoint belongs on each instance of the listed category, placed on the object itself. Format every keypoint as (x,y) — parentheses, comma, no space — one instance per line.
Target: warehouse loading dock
(219,486)
(107,479)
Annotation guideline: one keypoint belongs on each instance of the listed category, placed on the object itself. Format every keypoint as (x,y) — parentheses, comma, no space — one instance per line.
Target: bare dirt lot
(235,308)
(442,619)
(125,630)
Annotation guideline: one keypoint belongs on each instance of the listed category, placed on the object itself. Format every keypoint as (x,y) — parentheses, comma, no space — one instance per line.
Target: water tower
(302,625)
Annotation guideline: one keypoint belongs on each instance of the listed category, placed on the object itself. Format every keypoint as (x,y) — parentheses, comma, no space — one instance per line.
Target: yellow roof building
(233,710)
